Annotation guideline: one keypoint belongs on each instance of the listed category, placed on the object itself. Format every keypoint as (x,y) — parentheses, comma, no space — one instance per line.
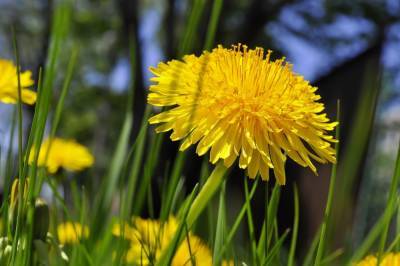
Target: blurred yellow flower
(390,259)
(238,103)
(148,239)
(228,263)
(9,84)
(63,153)
(71,232)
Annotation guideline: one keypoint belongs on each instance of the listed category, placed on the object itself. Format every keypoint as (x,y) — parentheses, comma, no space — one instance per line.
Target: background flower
(9,84)
(71,232)
(148,239)
(68,154)
(390,259)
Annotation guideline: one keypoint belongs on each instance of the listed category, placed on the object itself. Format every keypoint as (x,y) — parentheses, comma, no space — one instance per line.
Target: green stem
(212,184)
(328,207)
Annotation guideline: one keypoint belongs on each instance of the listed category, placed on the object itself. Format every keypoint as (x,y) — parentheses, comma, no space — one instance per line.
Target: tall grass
(130,174)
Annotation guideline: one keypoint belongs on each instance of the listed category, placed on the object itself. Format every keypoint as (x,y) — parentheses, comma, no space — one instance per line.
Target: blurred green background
(349,49)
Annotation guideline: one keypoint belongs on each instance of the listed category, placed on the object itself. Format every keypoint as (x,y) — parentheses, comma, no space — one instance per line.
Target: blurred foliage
(336,33)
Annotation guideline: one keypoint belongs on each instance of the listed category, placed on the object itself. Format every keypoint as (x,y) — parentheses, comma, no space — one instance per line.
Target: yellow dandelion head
(239,103)
(390,259)
(55,153)
(149,238)
(192,251)
(71,232)
(9,84)
(155,233)
(228,263)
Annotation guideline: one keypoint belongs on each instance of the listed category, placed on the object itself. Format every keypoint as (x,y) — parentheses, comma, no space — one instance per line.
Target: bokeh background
(349,49)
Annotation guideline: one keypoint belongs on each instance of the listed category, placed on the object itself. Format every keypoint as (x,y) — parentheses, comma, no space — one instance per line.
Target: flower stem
(212,184)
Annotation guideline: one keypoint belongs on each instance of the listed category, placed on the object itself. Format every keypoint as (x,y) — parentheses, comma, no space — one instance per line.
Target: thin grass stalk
(250,224)
(293,242)
(193,22)
(395,242)
(238,220)
(275,249)
(64,90)
(310,255)
(60,200)
(59,31)
(262,248)
(137,159)
(114,172)
(193,207)
(21,202)
(8,173)
(372,236)
(331,257)
(213,23)
(359,137)
(57,115)
(212,184)
(397,246)
(167,256)
(34,126)
(391,204)
(148,171)
(221,225)
(271,214)
(327,214)
(174,179)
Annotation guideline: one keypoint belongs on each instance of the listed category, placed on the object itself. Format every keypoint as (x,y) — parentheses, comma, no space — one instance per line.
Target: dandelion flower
(239,103)
(228,263)
(149,238)
(71,232)
(390,259)
(192,249)
(9,84)
(63,153)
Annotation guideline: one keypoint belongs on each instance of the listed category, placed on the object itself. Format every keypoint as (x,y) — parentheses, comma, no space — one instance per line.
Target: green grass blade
(391,204)
(207,192)
(372,236)
(255,259)
(8,172)
(174,179)
(272,211)
(358,141)
(221,225)
(137,159)
(167,255)
(396,241)
(148,170)
(237,221)
(309,258)
(190,31)
(327,214)
(275,249)
(64,90)
(331,257)
(213,23)
(397,246)
(295,228)
(22,201)
(111,180)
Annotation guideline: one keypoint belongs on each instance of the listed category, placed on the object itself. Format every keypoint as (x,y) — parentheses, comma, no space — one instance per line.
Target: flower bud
(5,254)
(13,208)
(41,219)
